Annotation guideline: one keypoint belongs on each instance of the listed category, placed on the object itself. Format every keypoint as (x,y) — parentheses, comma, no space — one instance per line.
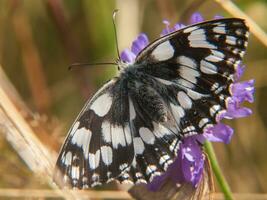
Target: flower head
(189,163)
(138,44)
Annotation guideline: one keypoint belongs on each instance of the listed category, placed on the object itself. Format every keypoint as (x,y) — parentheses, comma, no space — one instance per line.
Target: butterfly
(131,129)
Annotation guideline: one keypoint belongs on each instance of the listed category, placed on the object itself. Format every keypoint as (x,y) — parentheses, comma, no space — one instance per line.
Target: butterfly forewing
(198,63)
(131,129)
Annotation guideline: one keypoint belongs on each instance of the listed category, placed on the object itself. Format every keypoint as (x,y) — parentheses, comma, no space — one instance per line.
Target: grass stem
(218,172)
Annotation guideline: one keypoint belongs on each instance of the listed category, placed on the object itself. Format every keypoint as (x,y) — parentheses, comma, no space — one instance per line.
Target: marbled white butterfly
(131,128)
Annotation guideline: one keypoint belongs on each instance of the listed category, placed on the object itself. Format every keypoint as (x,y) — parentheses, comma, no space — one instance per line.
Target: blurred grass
(88,37)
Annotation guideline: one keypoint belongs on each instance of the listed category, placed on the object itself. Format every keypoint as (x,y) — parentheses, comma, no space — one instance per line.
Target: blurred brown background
(40,39)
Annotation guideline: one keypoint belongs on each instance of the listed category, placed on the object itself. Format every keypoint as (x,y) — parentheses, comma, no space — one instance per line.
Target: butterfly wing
(155,143)
(99,145)
(132,128)
(197,66)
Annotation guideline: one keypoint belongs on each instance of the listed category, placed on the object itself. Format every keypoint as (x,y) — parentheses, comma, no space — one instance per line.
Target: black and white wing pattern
(183,82)
(131,129)
(99,145)
(197,66)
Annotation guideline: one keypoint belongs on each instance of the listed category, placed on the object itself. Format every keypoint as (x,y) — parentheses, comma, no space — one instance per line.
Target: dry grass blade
(53,194)
(230,7)
(23,139)
(25,193)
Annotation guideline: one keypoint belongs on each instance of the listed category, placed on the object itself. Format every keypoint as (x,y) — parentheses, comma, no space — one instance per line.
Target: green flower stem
(218,172)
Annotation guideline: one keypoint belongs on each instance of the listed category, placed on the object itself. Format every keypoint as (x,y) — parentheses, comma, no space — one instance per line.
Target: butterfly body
(132,127)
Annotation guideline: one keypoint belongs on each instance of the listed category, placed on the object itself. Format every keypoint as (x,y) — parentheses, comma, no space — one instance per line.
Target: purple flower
(234,109)
(189,163)
(219,133)
(217,17)
(244,91)
(127,56)
(241,91)
(187,167)
(196,18)
(239,72)
(138,44)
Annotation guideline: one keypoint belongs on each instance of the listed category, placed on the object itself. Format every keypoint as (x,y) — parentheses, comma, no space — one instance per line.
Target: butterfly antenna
(74,65)
(115,31)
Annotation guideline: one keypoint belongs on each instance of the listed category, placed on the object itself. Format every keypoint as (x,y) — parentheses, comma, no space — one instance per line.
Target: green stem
(218,172)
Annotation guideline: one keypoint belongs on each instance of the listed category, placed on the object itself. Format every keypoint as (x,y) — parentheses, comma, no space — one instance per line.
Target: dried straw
(22,138)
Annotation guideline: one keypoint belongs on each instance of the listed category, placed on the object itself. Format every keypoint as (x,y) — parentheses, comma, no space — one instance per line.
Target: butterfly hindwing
(99,145)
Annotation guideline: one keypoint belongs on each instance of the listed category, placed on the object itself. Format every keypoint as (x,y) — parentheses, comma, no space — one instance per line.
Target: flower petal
(239,72)
(234,110)
(158,182)
(196,18)
(178,26)
(127,56)
(219,133)
(218,17)
(244,91)
(187,167)
(167,28)
(139,43)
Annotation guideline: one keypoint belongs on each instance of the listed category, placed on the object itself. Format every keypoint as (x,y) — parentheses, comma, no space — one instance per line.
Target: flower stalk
(218,172)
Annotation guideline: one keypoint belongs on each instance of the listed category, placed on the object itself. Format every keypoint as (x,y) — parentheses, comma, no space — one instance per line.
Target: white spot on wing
(213,58)
(82,139)
(189,130)
(201,44)
(194,95)
(185,83)
(175,146)
(106,154)
(147,136)
(139,146)
(165,160)
(150,169)
(203,122)
(189,74)
(74,128)
(184,100)
(132,110)
(160,130)
(198,39)
(187,30)
(207,67)
(186,61)
(217,54)
(75,173)
(230,40)
(117,136)
(219,29)
(214,109)
(106,135)
(178,112)
(163,51)
(198,34)
(127,133)
(94,159)
(102,104)
(67,158)
(123,166)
